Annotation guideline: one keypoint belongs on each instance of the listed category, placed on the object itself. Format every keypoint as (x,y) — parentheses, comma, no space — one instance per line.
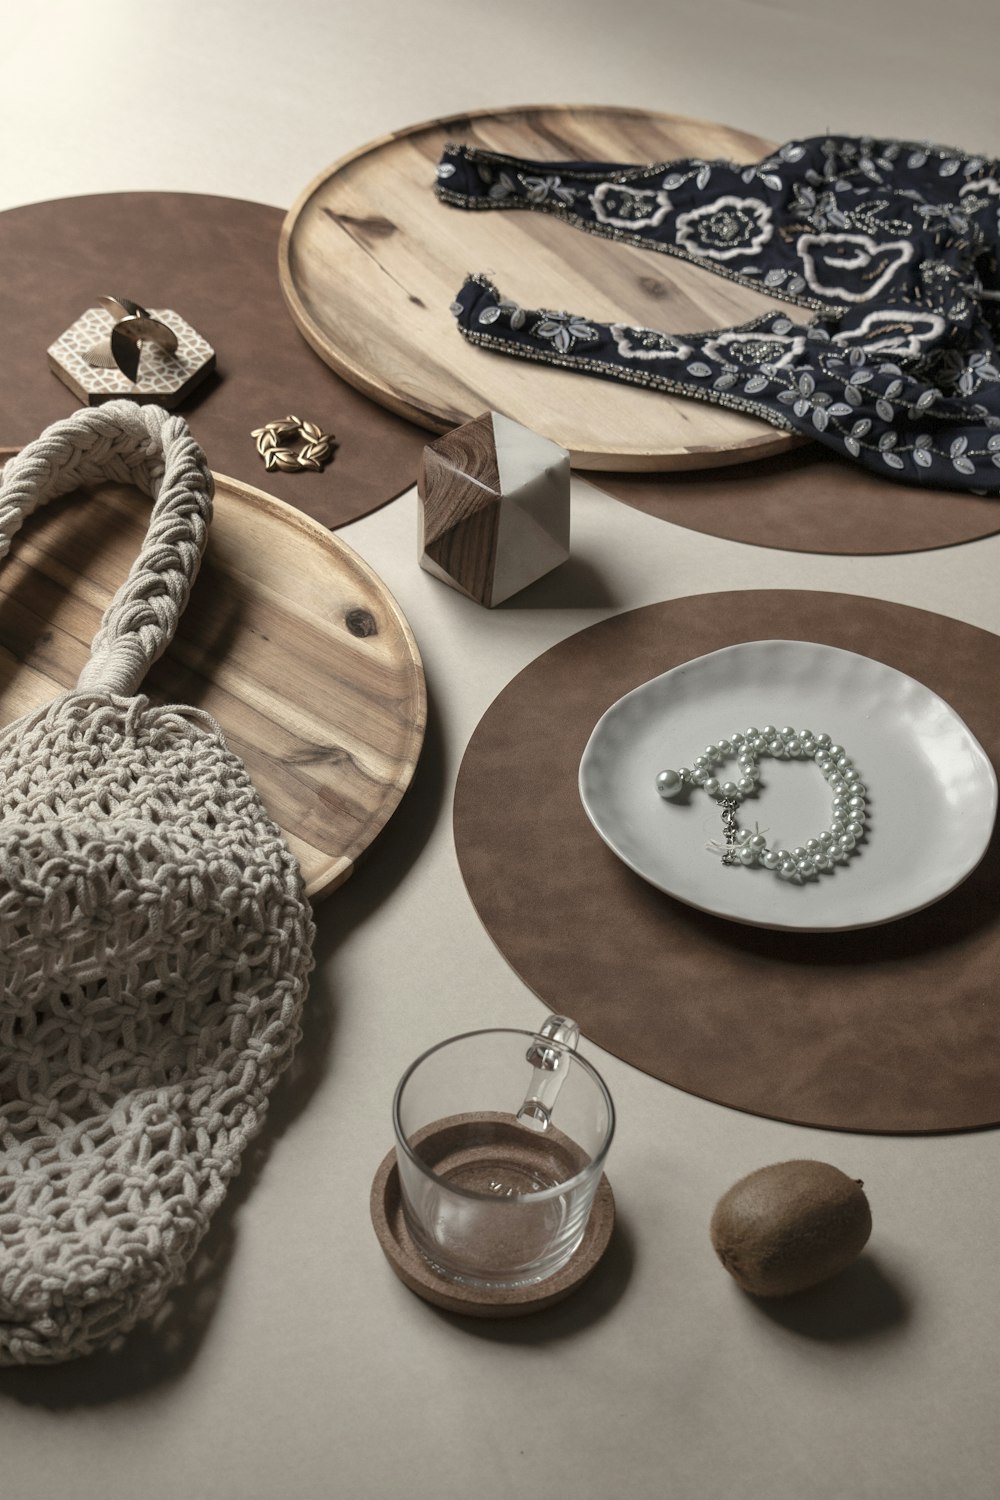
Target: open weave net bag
(155,944)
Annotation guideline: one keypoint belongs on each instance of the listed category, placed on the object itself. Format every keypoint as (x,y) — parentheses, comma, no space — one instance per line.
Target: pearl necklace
(834,845)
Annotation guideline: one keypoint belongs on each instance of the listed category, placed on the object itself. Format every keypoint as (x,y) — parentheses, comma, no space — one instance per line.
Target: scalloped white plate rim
(923,767)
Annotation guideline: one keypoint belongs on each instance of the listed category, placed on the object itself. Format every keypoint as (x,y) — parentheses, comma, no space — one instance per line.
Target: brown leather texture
(887,1029)
(214,261)
(808,500)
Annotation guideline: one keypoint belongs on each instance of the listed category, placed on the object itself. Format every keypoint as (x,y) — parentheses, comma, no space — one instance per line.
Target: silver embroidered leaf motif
(541,189)
(564,330)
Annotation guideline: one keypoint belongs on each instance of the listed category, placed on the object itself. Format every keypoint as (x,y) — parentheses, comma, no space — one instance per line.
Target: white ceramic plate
(931,788)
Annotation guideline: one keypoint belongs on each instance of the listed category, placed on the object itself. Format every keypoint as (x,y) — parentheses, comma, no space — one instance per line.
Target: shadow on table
(862,1302)
(598,1296)
(575,584)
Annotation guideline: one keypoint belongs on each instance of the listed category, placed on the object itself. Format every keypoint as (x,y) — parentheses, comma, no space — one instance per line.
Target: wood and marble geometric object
(494,507)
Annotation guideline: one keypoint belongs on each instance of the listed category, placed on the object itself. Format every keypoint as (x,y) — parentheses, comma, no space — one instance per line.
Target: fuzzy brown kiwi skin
(790,1226)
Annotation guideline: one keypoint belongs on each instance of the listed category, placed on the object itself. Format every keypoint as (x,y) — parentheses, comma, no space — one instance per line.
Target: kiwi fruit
(790,1226)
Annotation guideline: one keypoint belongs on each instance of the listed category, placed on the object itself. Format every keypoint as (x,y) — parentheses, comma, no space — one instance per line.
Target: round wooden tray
(290,641)
(370,262)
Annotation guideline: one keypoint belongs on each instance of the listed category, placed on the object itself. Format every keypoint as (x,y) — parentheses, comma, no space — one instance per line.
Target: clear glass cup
(501,1137)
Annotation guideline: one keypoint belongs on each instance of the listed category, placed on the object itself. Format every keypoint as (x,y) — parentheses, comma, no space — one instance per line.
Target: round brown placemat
(808,501)
(891,1028)
(214,261)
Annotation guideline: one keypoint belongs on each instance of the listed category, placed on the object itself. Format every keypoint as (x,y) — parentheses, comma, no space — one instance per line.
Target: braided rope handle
(128,444)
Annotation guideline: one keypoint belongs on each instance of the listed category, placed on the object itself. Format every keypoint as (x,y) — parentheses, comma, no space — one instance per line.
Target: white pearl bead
(725,748)
(846,840)
(813,847)
(823,740)
(798,853)
(711,753)
(770,859)
(769,731)
(701,763)
(794,746)
(852,774)
(711,785)
(748,856)
(758,842)
(836,751)
(807,867)
(826,837)
(844,763)
(776,747)
(746,785)
(856,830)
(730,789)
(788,733)
(669,783)
(752,733)
(856,803)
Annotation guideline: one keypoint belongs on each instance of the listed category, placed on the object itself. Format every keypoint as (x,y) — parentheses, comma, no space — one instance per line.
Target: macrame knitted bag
(155,943)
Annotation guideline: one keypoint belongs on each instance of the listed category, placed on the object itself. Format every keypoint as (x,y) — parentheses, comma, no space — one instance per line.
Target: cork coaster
(808,501)
(213,261)
(885,1029)
(477,1302)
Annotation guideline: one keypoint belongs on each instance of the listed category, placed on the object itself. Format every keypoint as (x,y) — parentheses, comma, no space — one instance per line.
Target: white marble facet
(534,521)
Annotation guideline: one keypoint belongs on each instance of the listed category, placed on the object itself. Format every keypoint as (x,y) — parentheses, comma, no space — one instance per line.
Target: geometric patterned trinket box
(162,378)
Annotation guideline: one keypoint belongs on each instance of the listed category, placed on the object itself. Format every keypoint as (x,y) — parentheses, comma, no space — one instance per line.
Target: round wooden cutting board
(370,262)
(290,641)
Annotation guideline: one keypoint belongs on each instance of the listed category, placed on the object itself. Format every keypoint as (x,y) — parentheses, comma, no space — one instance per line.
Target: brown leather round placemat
(808,501)
(214,261)
(893,1028)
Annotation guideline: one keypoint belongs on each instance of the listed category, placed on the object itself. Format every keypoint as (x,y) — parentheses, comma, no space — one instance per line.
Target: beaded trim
(638,242)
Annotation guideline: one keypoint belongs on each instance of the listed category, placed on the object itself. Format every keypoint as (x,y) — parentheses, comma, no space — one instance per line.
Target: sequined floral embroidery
(647,343)
(852,267)
(726,229)
(892,331)
(755,350)
(629,208)
(564,330)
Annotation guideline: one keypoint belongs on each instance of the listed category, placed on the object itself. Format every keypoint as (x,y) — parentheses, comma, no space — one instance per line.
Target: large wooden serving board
(290,641)
(370,262)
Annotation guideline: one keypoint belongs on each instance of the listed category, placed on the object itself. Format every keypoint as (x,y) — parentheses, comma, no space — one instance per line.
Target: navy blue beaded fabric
(893,248)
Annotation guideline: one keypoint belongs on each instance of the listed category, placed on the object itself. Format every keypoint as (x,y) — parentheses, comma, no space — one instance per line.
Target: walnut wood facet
(290,641)
(370,262)
(494,508)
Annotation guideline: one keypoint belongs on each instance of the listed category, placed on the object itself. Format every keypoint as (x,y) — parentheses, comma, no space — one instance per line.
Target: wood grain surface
(290,641)
(370,262)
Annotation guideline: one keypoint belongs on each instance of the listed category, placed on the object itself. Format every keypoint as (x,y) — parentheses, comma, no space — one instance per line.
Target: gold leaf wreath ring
(291,445)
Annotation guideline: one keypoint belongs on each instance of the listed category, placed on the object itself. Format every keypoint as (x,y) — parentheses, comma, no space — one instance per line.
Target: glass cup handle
(549,1055)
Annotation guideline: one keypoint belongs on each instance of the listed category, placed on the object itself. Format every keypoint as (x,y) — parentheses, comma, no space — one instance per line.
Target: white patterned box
(162,378)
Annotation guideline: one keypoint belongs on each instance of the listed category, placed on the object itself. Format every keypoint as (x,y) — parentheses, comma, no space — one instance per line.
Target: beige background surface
(298,1367)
